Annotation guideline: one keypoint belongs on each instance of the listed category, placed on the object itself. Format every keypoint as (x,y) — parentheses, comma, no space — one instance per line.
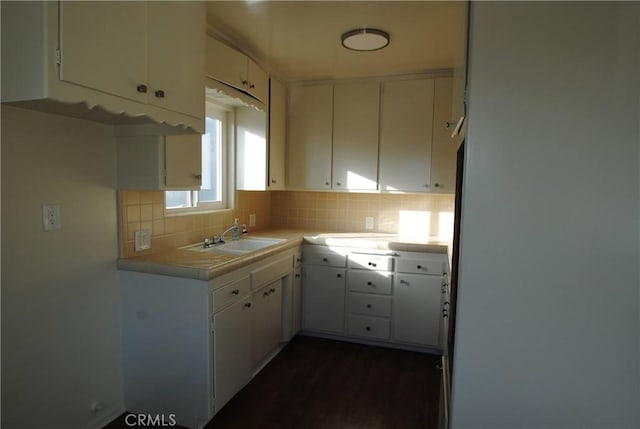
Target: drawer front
(231,293)
(363,261)
(368,327)
(325,258)
(421,266)
(271,272)
(370,282)
(370,305)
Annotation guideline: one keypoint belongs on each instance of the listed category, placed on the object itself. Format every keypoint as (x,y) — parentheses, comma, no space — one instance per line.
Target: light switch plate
(51,217)
(252,220)
(142,240)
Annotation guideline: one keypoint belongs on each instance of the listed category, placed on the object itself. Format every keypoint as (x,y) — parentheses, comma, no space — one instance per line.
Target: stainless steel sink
(238,247)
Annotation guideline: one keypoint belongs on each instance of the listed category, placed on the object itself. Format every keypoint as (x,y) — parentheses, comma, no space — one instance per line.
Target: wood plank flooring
(323,384)
(318,383)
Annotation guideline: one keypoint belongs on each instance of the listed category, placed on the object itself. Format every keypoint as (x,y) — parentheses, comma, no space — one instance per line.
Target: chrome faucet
(208,242)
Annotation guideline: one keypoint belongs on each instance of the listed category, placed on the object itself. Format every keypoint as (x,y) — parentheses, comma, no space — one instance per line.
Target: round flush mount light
(365,39)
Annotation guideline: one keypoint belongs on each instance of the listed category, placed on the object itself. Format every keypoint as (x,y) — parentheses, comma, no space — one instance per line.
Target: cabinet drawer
(231,293)
(363,261)
(421,266)
(325,258)
(370,305)
(370,282)
(369,327)
(271,272)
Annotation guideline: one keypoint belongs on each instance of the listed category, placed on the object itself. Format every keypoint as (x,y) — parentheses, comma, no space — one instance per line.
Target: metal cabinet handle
(141,88)
(248,305)
(373,264)
(445,313)
(266,293)
(159,93)
(297,276)
(272,290)
(236,292)
(252,86)
(404,282)
(245,82)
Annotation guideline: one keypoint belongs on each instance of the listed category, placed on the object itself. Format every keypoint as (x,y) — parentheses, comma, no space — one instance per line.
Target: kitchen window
(214,191)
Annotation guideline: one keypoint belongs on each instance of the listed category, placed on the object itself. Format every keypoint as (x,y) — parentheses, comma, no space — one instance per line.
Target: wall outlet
(252,219)
(142,240)
(51,218)
(368,222)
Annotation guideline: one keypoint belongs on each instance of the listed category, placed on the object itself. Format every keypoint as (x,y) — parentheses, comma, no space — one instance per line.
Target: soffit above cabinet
(300,40)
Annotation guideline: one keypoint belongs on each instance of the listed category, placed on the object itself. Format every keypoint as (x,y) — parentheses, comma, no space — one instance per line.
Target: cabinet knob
(252,86)
(338,183)
(445,313)
(325,260)
(368,328)
(197,176)
(272,290)
(245,82)
(369,284)
(236,292)
(419,267)
(368,305)
(326,183)
(159,93)
(274,181)
(297,276)
(373,264)
(404,282)
(437,185)
(339,276)
(248,305)
(141,88)
(266,293)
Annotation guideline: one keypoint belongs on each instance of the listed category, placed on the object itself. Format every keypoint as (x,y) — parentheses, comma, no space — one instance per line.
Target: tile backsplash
(428,215)
(408,214)
(145,210)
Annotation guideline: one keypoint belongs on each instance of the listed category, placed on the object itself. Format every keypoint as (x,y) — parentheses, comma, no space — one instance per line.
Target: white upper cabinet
(443,152)
(277,134)
(406,135)
(355,136)
(234,68)
(309,125)
(98,56)
(251,149)
(137,62)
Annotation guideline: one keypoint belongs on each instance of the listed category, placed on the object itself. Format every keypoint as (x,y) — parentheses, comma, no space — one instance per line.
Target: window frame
(226,116)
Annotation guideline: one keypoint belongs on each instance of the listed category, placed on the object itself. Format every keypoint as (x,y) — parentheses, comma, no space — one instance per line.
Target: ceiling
(300,40)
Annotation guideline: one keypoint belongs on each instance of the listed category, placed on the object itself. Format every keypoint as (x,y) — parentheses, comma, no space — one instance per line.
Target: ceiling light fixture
(365,39)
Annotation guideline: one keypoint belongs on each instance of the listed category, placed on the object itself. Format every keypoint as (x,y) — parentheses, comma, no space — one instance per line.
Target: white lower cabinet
(190,345)
(232,350)
(266,321)
(417,305)
(323,294)
(392,297)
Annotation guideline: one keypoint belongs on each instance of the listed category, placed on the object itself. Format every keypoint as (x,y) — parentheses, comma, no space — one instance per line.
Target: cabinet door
(251,149)
(323,299)
(297,300)
(183,161)
(416,309)
(266,321)
(277,132)
(176,43)
(225,64)
(309,125)
(443,153)
(406,135)
(258,81)
(355,136)
(232,350)
(104,46)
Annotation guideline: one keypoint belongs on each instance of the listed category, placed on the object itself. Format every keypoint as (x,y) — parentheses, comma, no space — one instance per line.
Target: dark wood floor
(317,383)
(322,384)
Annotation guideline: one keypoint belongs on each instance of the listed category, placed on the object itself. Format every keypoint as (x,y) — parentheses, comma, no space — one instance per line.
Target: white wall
(548,323)
(60,307)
